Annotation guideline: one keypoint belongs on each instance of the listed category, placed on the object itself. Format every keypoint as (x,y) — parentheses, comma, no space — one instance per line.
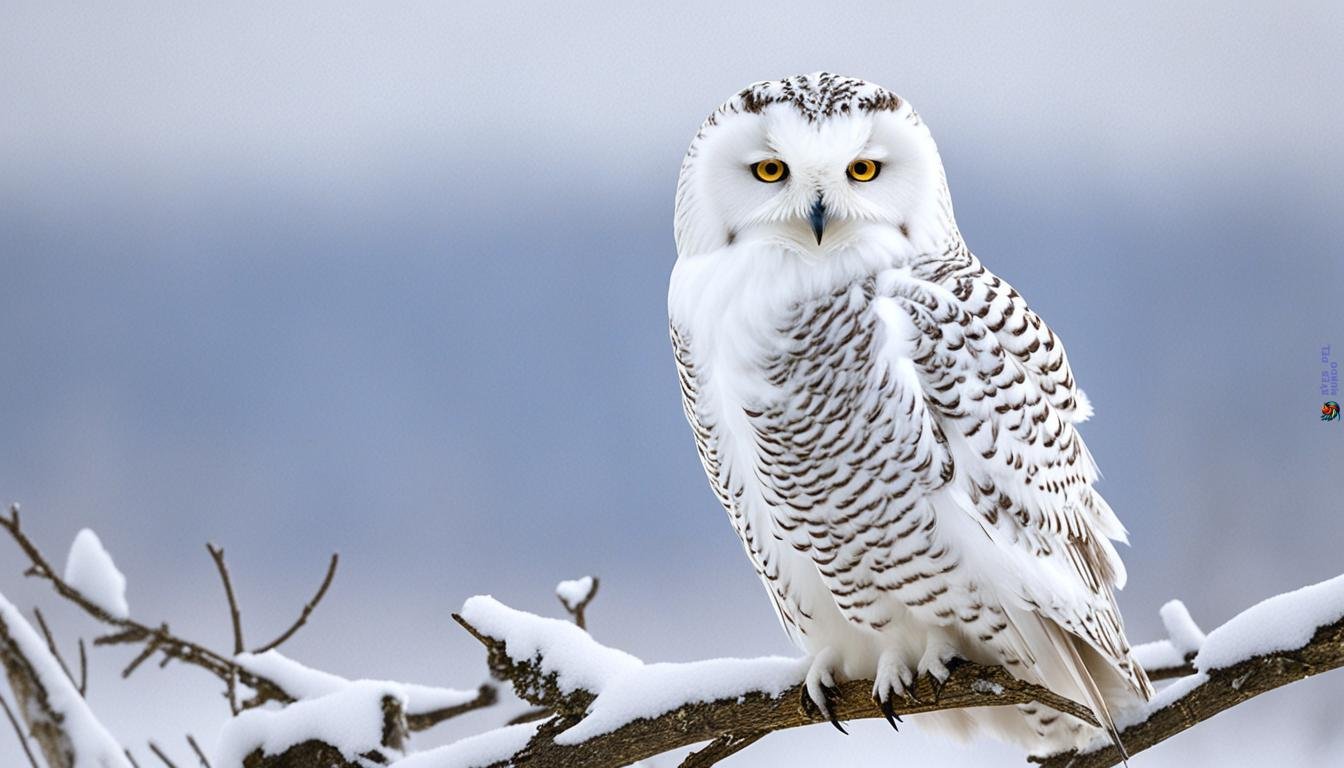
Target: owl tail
(1066,648)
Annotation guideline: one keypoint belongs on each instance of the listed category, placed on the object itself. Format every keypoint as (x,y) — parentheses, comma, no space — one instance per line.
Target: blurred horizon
(391,281)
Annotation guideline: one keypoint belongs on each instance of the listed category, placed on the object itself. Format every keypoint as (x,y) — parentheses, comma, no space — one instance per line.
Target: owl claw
(936,662)
(888,711)
(820,689)
(893,678)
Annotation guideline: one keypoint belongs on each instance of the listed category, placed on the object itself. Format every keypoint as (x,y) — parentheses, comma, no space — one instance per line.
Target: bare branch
(130,632)
(486,696)
(18,732)
(51,646)
(1171,673)
(197,749)
(84,668)
(159,754)
(307,607)
(235,618)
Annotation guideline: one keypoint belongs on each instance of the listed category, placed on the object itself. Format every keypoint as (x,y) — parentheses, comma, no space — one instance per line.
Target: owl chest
(797,420)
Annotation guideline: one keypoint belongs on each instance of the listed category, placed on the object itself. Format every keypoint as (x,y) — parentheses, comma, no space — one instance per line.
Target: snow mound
(303,682)
(578,661)
(650,690)
(351,720)
(486,748)
(89,569)
(574,591)
(1184,638)
(1280,623)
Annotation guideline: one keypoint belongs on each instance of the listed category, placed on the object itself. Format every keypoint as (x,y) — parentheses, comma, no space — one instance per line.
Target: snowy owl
(891,429)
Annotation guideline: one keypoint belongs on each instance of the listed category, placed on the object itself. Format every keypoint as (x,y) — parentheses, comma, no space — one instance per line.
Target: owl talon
(820,689)
(889,712)
(935,662)
(893,678)
(937,684)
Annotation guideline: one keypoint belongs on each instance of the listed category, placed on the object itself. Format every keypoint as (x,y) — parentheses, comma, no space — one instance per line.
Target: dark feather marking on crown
(817,97)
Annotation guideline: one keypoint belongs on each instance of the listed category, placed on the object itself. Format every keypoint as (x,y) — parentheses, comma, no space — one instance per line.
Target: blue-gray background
(390,280)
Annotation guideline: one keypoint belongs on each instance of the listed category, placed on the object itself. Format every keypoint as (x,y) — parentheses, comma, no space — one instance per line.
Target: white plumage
(889,426)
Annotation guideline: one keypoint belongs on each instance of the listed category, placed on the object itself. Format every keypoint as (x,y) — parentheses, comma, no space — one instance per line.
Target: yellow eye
(864,170)
(770,171)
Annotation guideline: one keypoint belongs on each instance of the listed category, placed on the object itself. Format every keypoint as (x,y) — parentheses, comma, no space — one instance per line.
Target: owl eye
(770,171)
(864,170)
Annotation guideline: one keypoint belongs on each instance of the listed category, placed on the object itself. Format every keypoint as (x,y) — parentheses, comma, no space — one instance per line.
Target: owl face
(817,163)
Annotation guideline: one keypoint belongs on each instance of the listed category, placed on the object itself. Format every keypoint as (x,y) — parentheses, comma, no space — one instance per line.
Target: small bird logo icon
(1330,411)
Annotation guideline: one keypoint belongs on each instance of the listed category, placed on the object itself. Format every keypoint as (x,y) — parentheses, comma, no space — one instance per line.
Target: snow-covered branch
(55,713)
(612,709)
(1281,640)
(597,706)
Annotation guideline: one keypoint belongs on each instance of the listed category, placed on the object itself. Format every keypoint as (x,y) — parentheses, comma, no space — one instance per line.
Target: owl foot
(820,688)
(938,657)
(893,678)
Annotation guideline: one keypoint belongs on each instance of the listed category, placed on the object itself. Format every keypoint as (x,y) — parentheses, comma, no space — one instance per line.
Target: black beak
(818,219)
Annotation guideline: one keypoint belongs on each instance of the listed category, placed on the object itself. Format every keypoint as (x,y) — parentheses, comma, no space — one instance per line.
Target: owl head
(816,163)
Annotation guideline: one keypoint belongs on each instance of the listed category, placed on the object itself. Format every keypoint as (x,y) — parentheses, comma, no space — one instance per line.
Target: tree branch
(162,757)
(1216,691)
(576,595)
(48,701)
(307,608)
(486,696)
(735,718)
(131,632)
(18,732)
(200,755)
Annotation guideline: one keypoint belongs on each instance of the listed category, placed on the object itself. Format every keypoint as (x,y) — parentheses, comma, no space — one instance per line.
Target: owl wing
(1009,419)
(1023,335)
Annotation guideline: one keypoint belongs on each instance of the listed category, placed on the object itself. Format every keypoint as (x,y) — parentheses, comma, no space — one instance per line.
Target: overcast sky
(390,280)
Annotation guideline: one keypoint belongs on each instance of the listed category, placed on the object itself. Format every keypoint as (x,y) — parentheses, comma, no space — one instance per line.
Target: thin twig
(217,554)
(51,646)
(576,612)
(155,749)
(130,758)
(307,607)
(84,669)
(127,631)
(486,695)
(197,749)
(150,647)
(18,731)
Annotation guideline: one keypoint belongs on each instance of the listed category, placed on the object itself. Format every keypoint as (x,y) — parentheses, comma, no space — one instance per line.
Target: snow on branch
(1278,641)
(360,724)
(596,706)
(267,674)
(424,705)
(57,716)
(613,710)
